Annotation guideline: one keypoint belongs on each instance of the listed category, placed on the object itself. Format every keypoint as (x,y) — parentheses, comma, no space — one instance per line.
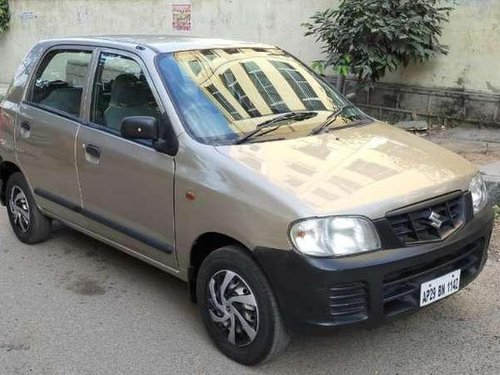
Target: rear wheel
(28,223)
(238,307)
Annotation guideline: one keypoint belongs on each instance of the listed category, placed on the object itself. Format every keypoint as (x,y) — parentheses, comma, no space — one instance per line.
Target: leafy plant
(4,16)
(496,211)
(367,38)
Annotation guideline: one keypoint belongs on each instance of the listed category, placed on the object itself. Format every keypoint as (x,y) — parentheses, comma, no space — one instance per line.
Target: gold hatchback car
(234,167)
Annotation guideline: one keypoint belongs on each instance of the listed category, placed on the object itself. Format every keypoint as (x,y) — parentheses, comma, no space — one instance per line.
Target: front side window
(223,94)
(60,80)
(120,90)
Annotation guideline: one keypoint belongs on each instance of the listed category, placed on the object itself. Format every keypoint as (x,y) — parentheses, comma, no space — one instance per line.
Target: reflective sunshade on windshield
(222,94)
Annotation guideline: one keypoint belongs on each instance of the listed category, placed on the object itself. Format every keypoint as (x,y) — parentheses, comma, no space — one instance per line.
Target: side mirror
(147,128)
(140,127)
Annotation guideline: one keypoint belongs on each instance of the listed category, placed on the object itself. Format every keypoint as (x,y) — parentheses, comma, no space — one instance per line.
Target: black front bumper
(316,294)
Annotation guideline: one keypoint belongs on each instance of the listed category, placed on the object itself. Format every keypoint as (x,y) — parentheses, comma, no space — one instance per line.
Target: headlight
(334,236)
(479,193)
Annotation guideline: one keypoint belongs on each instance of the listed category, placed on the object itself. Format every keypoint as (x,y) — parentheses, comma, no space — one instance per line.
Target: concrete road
(75,306)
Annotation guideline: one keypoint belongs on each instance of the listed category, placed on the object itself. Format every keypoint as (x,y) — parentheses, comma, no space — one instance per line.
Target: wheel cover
(233,308)
(20,209)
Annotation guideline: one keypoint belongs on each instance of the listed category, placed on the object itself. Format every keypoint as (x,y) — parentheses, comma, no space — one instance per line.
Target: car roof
(159,43)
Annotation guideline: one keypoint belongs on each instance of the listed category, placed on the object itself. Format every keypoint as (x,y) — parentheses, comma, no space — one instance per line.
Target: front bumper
(316,294)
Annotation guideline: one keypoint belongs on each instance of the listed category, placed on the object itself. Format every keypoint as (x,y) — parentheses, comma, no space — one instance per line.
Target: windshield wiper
(278,121)
(330,119)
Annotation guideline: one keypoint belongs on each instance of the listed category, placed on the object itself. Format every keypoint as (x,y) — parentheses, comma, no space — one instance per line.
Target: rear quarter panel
(10,105)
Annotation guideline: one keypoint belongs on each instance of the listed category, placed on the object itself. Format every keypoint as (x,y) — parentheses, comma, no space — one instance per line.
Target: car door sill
(127,250)
(132,233)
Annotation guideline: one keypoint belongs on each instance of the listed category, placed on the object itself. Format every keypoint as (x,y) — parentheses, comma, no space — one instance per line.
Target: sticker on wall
(181,17)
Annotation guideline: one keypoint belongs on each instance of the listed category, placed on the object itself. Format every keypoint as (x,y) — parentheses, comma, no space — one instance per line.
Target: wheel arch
(201,248)
(6,170)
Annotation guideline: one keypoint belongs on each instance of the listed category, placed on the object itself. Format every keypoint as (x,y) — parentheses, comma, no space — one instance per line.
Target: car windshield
(224,94)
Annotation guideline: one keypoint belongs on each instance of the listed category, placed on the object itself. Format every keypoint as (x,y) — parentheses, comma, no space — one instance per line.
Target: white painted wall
(473,63)
(272,21)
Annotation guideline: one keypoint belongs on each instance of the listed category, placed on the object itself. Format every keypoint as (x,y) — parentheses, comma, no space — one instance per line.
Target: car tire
(238,307)
(28,223)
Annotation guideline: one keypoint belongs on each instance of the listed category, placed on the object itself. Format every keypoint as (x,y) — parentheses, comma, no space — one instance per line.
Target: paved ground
(481,146)
(75,306)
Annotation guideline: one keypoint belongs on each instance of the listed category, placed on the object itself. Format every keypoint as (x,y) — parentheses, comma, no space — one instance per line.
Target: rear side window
(60,80)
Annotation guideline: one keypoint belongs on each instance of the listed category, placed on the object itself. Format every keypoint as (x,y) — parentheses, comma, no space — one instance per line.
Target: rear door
(127,186)
(48,121)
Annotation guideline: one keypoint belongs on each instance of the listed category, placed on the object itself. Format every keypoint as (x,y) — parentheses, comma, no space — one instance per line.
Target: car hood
(364,170)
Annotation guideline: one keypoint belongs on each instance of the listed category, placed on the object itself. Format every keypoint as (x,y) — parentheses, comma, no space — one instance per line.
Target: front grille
(348,303)
(429,223)
(402,288)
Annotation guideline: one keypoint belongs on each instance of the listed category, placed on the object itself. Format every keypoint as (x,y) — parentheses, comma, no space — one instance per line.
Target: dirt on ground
(494,253)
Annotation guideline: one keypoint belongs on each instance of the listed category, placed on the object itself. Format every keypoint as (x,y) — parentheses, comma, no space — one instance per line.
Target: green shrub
(367,38)
(4,16)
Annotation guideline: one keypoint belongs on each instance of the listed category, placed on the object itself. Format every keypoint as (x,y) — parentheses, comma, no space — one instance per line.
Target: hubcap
(20,209)
(233,308)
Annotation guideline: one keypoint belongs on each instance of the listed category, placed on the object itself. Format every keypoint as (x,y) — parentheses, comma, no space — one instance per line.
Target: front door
(127,186)
(46,129)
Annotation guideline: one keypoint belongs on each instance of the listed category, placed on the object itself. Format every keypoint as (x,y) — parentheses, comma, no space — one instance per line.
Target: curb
(493,192)
(491,176)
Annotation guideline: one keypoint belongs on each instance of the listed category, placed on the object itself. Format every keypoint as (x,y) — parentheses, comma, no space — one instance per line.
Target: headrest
(67,99)
(128,91)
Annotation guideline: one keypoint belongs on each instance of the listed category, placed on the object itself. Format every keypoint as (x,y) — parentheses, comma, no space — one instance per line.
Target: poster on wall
(181,17)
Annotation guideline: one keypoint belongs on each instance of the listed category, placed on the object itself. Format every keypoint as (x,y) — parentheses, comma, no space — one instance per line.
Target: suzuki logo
(435,220)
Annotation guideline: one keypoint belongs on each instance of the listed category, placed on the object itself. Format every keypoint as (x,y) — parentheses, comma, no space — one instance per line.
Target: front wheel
(28,223)
(238,307)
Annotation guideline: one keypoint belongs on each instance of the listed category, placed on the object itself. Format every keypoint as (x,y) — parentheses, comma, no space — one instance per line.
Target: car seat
(129,97)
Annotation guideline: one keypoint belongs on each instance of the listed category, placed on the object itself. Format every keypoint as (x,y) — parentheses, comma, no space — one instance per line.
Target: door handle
(93,151)
(25,125)
(25,129)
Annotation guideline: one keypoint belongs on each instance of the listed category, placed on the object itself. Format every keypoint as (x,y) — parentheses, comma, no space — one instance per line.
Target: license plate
(436,289)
